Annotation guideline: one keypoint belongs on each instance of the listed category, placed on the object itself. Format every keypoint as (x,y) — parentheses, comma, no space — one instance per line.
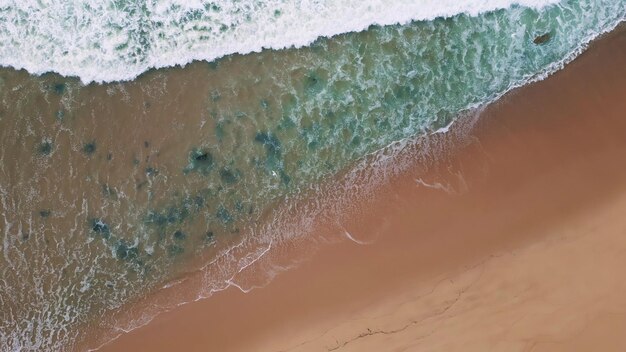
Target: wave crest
(114,40)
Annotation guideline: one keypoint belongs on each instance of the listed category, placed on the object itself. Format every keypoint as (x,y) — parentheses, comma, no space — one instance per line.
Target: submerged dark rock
(542,39)
(101,228)
(179,235)
(44,213)
(199,160)
(150,171)
(204,157)
(45,148)
(89,148)
(313,82)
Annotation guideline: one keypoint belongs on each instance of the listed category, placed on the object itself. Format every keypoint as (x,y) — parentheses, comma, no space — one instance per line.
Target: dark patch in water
(59,88)
(89,148)
(101,228)
(179,235)
(150,171)
(45,148)
(229,177)
(542,39)
(173,215)
(271,143)
(224,215)
(44,213)
(199,160)
(199,201)
(25,235)
(204,157)
(181,213)
(209,236)
(156,218)
(287,123)
(312,82)
(110,156)
(284,177)
(124,251)
(146,144)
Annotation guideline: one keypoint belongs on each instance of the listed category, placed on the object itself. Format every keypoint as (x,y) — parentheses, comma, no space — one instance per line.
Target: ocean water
(119,175)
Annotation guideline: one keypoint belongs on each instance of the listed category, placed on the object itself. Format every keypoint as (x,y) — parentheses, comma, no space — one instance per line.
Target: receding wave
(110,40)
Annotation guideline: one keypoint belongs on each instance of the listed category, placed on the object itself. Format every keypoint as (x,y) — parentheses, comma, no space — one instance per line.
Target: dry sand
(526,253)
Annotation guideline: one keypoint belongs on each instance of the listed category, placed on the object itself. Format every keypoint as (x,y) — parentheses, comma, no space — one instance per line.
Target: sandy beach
(514,244)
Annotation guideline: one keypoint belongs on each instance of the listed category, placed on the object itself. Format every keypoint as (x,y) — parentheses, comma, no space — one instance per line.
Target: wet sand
(517,245)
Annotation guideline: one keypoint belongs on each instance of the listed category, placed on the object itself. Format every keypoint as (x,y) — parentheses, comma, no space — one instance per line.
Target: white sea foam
(103,41)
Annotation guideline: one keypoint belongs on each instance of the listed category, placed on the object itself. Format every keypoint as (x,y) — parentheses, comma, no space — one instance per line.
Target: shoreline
(532,161)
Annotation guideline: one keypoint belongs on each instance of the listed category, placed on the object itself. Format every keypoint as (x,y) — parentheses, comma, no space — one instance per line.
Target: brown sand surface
(524,251)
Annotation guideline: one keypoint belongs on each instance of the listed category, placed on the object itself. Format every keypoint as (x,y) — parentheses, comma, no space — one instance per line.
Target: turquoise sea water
(108,191)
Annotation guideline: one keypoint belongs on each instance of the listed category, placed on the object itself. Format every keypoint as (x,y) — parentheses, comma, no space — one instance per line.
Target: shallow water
(109,191)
